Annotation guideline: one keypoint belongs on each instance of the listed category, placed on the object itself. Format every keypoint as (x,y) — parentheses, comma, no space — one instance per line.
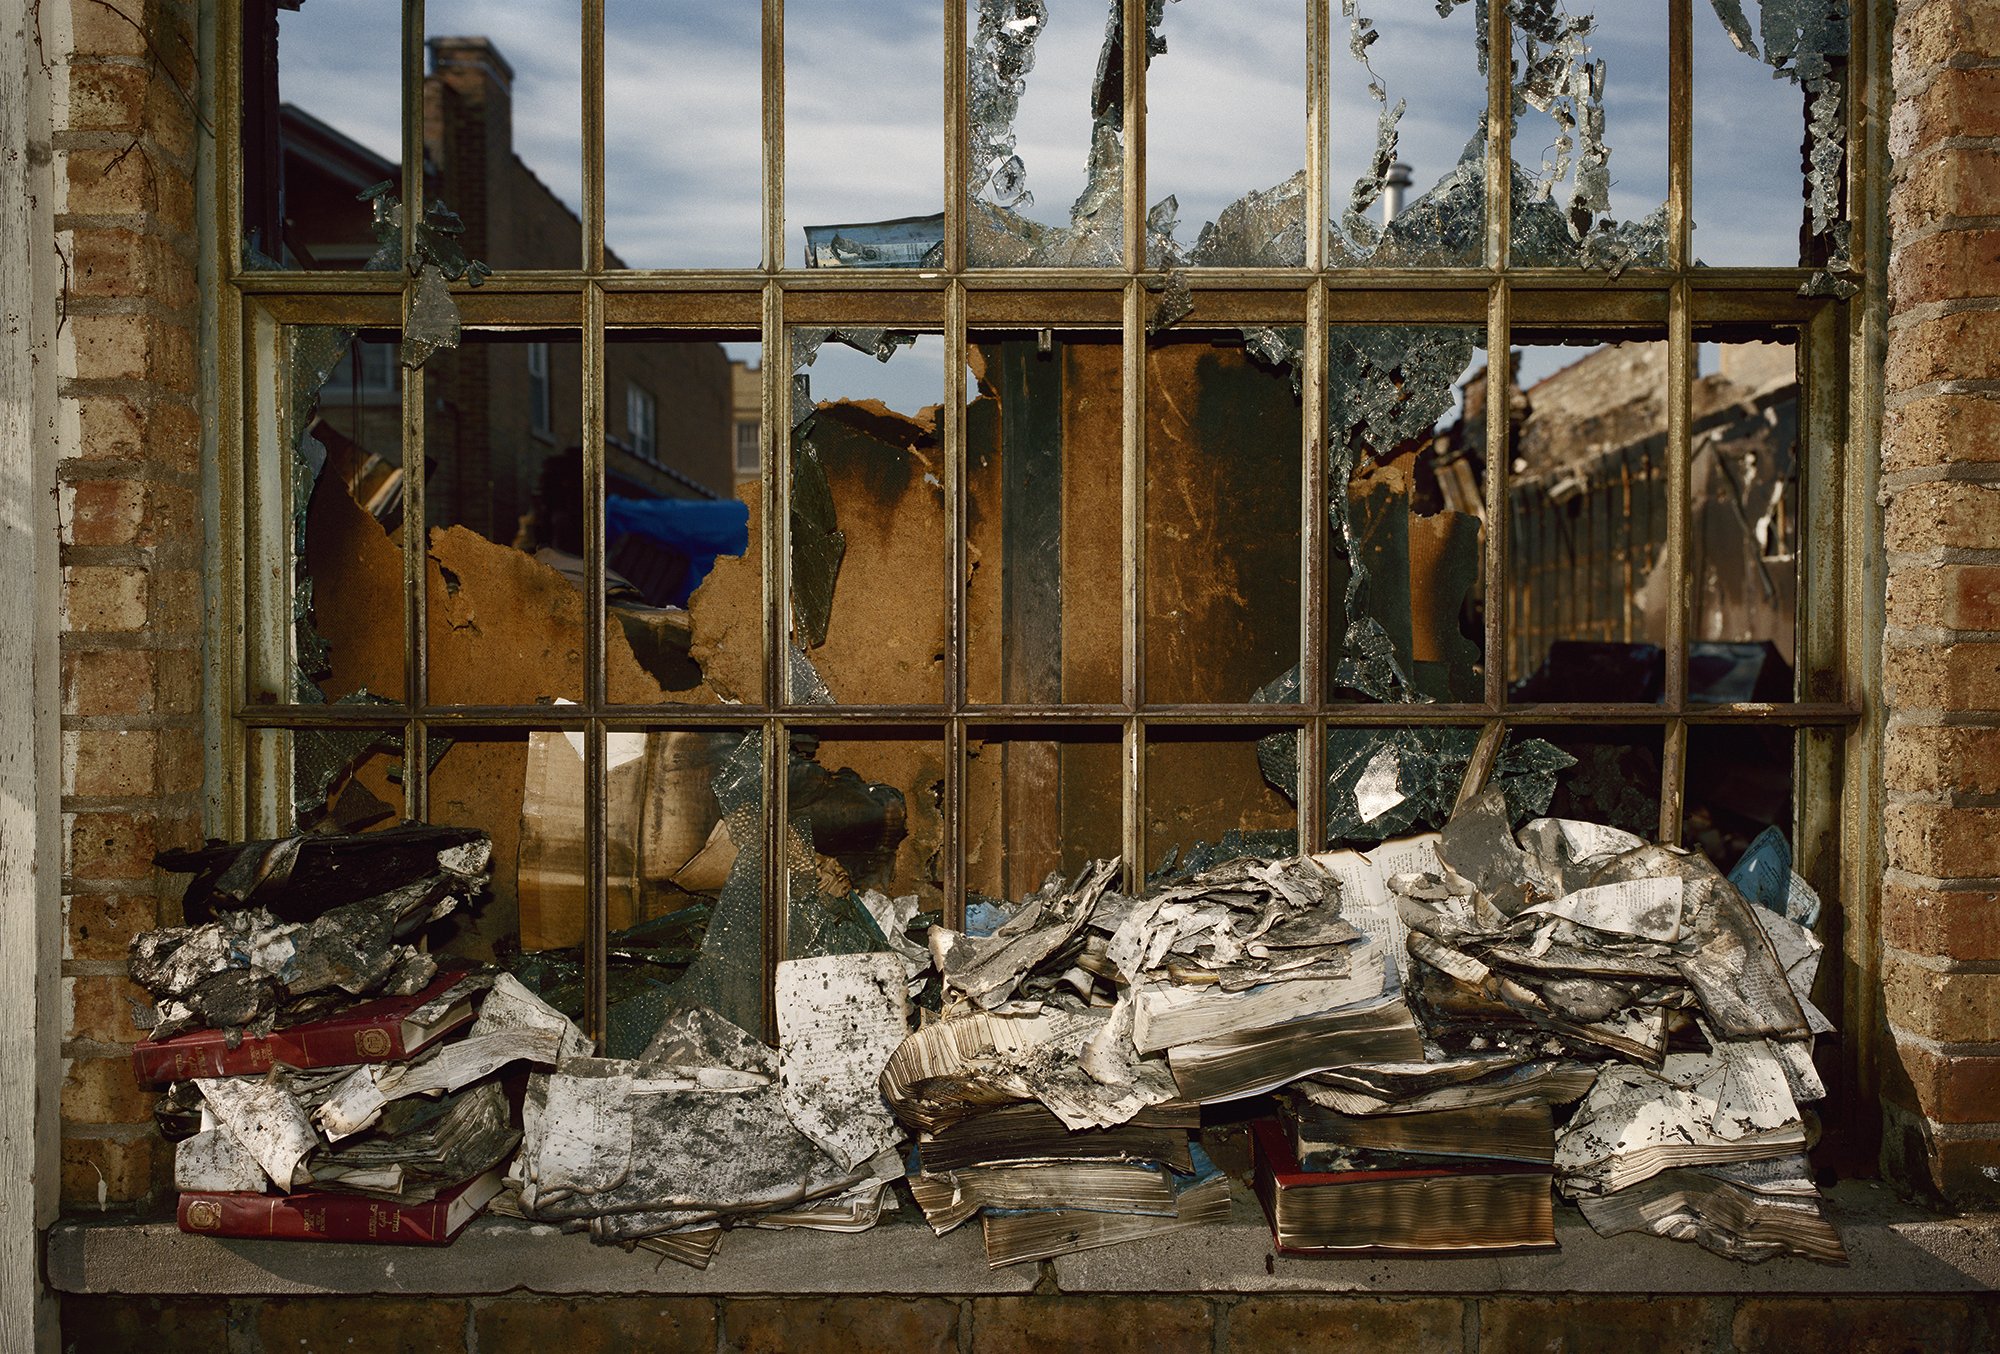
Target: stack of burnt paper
(1577,943)
(711,1128)
(1055,1096)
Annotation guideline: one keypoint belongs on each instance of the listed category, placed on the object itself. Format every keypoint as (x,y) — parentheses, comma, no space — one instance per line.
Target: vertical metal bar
(1499,136)
(1680,586)
(777,877)
(1132,592)
(597,925)
(593,135)
(957,137)
(1319,111)
(774,140)
(1680,131)
(956,342)
(1133,800)
(1313,601)
(774,498)
(1133,49)
(1673,781)
(416,510)
(1499,449)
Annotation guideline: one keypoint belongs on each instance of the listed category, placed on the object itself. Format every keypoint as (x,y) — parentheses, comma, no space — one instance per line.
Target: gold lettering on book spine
(371,1043)
(204,1215)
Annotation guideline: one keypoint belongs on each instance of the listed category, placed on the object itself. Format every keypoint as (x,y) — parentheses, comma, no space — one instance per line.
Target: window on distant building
(746,448)
(642,420)
(538,389)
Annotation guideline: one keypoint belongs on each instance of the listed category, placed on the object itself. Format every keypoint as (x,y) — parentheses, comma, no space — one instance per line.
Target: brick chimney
(469,130)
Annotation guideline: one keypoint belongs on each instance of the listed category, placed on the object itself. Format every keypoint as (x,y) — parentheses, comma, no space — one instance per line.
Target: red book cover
(373,1032)
(326,1215)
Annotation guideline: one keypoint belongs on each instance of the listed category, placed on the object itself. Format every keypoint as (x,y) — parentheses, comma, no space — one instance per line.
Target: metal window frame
(1837,814)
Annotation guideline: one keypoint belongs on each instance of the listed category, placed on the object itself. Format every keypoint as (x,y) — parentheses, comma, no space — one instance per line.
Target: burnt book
(331,1215)
(1014,1134)
(1250,1062)
(1200,1198)
(388,1029)
(1458,1209)
(1168,1014)
(1326,1139)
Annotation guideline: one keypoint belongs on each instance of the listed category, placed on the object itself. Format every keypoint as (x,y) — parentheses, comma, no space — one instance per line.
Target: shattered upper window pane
(1207,797)
(1045,153)
(864,147)
(1225,134)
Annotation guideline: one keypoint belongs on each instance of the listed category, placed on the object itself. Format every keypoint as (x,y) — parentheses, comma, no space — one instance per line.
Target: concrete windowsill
(1894,1248)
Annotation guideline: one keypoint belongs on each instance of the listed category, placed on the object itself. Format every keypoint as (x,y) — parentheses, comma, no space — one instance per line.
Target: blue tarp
(699,528)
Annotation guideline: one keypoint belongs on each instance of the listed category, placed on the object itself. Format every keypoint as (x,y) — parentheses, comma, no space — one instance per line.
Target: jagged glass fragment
(818,545)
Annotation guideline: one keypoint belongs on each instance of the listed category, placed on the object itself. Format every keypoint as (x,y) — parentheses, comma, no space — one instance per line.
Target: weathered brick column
(125,140)
(1941,684)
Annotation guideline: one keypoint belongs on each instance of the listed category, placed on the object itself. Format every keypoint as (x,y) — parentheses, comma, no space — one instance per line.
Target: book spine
(208,1054)
(330,1217)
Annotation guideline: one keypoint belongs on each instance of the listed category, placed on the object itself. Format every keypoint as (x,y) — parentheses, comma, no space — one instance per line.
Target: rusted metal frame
(1499,455)
(955,564)
(1319,132)
(416,519)
(1133,50)
(597,924)
(1680,131)
(627,718)
(1310,793)
(1499,136)
(263,649)
(775,506)
(1680,586)
(772,73)
(1132,590)
(957,136)
(593,136)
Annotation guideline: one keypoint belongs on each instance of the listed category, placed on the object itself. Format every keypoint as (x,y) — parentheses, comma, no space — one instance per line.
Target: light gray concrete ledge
(1894,1247)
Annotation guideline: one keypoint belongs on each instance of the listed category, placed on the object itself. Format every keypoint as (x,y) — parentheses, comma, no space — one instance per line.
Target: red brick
(104,598)
(112,845)
(1947,1007)
(104,1091)
(1941,922)
(101,1006)
(1958,1089)
(180,761)
(1950,597)
(1105,1325)
(1963,346)
(134,348)
(1855,1325)
(839,1325)
(107,96)
(101,925)
(1943,759)
(371,1325)
(178,688)
(1944,183)
(1928,35)
(109,681)
(1944,514)
(100,1324)
(1257,1325)
(114,261)
(104,512)
(1937,430)
(1957,103)
(111,763)
(111,1171)
(1962,677)
(595,1325)
(177,602)
(1943,842)
(1614,1325)
(127,182)
(1951,265)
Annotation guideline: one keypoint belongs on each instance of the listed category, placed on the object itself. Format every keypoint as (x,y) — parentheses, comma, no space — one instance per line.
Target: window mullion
(593,136)
(1680,131)
(1499,137)
(1313,602)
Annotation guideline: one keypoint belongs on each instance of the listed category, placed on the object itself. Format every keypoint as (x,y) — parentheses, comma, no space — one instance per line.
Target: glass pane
(1223,429)
(345,478)
(1408,138)
(683,134)
(322,122)
(868,606)
(1743,546)
(1739,782)
(864,141)
(1225,132)
(1043,606)
(1407,444)
(1759,97)
(1208,799)
(1616,778)
(1047,140)
(504,447)
(677,524)
(1036,805)
(1590,135)
(865,809)
(1587,525)
(504,127)
(328,780)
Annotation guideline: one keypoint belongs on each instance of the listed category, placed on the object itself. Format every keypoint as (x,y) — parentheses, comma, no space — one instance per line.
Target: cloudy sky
(864,112)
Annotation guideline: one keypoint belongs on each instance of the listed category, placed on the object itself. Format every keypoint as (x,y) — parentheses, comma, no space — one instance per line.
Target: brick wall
(1941,689)
(125,142)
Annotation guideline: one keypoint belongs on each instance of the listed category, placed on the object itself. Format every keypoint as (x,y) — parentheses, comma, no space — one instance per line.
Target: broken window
(1248,467)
